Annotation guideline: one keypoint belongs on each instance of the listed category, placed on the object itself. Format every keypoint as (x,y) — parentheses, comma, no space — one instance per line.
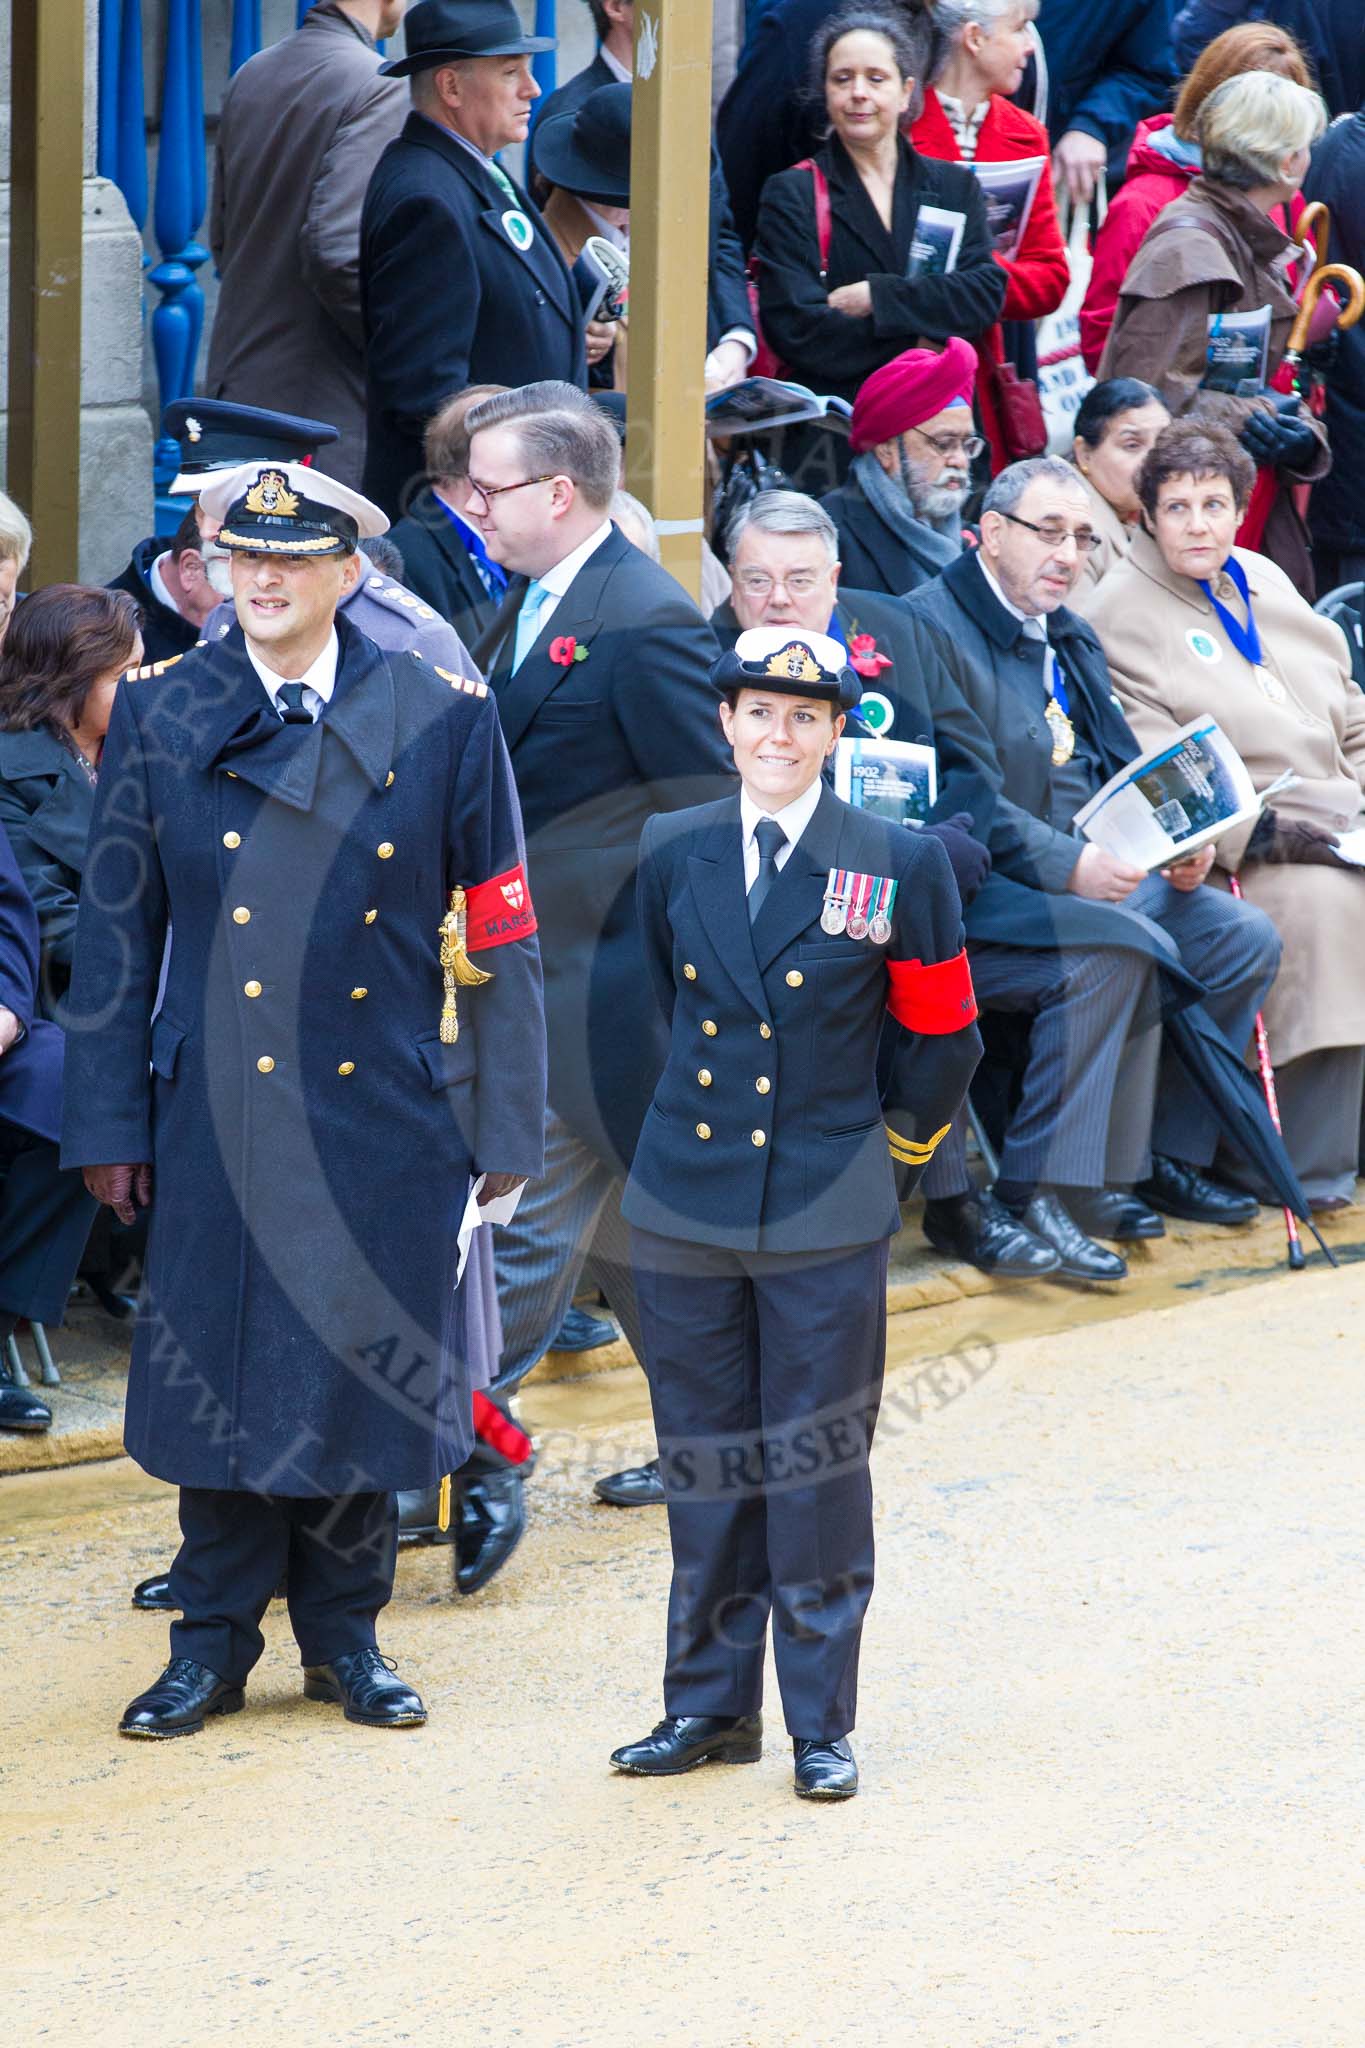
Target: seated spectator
(45,1213)
(1116,425)
(1165,157)
(899,514)
(968,118)
(1192,624)
(169,581)
(1081,971)
(1216,254)
(833,321)
(443,552)
(16,544)
(59,669)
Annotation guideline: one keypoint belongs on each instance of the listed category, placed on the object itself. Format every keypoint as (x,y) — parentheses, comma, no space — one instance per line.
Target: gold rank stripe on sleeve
(909,1151)
(465,683)
(154,668)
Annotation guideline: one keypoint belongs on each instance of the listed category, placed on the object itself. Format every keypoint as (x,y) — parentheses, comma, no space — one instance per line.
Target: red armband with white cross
(934,999)
(498,911)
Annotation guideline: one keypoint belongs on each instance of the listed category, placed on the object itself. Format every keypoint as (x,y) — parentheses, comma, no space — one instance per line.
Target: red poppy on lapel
(566,650)
(864,655)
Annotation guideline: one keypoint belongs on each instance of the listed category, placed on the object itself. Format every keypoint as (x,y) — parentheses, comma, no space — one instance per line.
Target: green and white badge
(1203,645)
(518,229)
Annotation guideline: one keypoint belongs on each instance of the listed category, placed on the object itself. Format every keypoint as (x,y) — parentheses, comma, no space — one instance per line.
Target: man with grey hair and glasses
(1091,947)
(601,665)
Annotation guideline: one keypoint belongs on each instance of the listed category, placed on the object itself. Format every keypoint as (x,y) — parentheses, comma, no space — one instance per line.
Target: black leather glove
(1324,357)
(1279,440)
(1281,841)
(971,860)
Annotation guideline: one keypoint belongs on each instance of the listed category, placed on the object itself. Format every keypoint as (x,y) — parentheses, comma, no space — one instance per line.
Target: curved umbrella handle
(1312,292)
(1314,226)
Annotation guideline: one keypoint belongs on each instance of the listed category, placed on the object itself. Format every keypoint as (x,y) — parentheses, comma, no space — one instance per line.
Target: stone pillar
(116,435)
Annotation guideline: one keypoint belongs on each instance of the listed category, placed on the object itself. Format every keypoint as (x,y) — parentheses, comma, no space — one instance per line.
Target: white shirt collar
(558,579)
(156,583)
(321,678)
(793,817)
(619,71)
(1034,624)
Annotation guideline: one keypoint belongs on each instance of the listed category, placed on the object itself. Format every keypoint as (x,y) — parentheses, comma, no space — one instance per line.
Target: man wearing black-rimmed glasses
(1088,959)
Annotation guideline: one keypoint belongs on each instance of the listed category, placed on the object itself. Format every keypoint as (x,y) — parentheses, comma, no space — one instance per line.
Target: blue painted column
(246,32)
(181,190)
(543,68)
(122,151)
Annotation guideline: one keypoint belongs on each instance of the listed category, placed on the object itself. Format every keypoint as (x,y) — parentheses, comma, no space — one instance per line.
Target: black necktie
(769,839)
(290,699)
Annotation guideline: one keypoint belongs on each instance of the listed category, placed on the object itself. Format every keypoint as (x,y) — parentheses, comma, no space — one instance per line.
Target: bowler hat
(439,31)
(588,151)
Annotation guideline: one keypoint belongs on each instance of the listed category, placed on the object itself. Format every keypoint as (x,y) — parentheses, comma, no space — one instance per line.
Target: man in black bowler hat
(305,1103)
(780,927)
(461,282)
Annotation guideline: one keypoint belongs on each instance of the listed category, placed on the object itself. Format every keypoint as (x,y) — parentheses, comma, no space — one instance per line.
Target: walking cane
(1272,1103)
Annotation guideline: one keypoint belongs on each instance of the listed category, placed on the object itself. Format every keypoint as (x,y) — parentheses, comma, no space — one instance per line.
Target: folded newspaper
(893,779)
(1174,799)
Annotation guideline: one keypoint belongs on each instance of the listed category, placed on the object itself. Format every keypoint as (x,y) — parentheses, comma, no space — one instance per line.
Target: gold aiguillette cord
(457,969)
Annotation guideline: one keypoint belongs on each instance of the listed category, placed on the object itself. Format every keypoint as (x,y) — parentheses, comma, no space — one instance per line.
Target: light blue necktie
(528,622)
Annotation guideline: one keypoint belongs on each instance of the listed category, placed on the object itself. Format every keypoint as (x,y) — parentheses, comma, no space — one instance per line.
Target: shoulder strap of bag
(824,226)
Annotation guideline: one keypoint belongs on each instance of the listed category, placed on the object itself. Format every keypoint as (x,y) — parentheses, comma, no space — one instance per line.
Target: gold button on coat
(708,1027)
(759,1137)
(265,1065)
(370,916)
(358,995)
(388,780)
(704,1076)
(253,988)
(703,1130)
(385,851)
(690,971)
(763,1084)
(241,915)
(795,978)
(765,1030)
(346,1067)
(232,840)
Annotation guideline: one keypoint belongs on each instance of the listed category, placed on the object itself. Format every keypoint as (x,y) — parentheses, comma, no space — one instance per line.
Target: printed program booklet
(759,405)
(1009,190)
(1238,352)
(1173,800)
(892,779)
(935,242)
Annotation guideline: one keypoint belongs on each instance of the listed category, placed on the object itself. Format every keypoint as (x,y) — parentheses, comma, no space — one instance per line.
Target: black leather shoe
(369,1689)
(1183,1191)
(1108,1212)
(825,1770)
(1081,1258)
(180,1702)
(981,1230)
(682,1741)
(490,1524)
(417,1512)
(639,1486)
(154,1594)
(581,1332)
(21,1409)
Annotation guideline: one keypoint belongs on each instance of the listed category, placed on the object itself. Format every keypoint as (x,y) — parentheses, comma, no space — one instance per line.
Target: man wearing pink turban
(913,441)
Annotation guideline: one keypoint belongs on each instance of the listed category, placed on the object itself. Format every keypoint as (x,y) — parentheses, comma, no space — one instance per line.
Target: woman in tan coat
(1205,310)
(1115,427)
(1193,625)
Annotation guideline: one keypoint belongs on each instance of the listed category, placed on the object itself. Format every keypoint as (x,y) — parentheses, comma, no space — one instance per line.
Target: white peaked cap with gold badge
(790,661)
(288,508)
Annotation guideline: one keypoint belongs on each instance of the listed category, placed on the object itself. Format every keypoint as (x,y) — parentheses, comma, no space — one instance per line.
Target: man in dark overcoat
(1084,942)
(780,926)
(601,665)
(445,559)
(461,282)
(333,834)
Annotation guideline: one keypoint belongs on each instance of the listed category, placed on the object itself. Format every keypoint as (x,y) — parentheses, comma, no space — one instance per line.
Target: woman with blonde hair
(1205,310)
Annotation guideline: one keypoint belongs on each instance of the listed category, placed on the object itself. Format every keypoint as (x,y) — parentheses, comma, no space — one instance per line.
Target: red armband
(492,1426)
(499,911)
(933,999)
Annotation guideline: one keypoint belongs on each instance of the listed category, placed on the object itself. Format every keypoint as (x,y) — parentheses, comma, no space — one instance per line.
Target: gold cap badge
(795,662)
(193,430)
(271,495)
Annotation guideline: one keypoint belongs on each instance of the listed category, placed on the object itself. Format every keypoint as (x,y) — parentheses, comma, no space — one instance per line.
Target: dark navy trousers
(765,1372)
(337,1555)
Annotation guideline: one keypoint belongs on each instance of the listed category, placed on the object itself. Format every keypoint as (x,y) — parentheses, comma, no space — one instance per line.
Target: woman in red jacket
(968,118)
(1164,158)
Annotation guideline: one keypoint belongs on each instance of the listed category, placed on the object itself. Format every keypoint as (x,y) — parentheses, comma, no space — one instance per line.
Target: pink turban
(909,389)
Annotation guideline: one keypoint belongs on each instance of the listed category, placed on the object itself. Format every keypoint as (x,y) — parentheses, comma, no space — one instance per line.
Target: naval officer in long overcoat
(780,927)
(332,833)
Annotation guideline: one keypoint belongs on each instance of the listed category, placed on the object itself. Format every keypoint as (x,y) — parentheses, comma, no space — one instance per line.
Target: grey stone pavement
(1110,1737)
